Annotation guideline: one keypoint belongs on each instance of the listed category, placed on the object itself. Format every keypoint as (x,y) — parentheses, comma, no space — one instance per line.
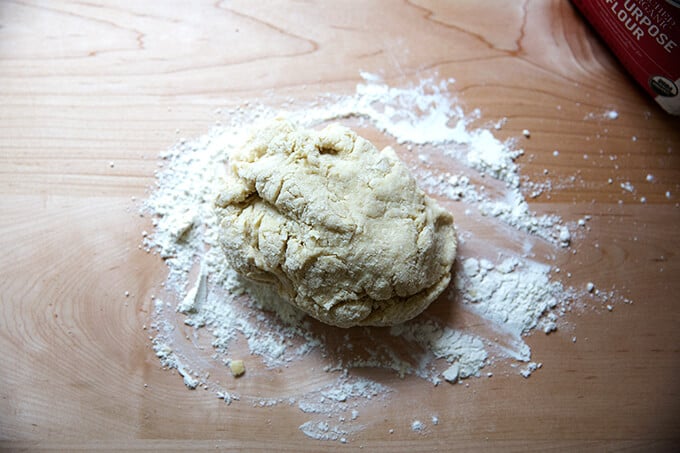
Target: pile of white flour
(207,316)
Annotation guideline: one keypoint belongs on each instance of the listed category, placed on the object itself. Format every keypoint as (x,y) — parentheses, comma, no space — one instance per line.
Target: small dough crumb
(237,368)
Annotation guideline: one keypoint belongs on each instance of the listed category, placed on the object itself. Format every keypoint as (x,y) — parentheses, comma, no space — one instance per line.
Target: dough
(339,228)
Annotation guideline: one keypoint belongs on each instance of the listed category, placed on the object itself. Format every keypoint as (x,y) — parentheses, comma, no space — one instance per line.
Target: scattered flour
(611,114)
(512,294)
(417,426)
(628,187)
(529,369)
(606,115)
(324,431)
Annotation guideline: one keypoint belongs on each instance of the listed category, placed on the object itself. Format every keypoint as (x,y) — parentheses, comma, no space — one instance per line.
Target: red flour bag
(645,36)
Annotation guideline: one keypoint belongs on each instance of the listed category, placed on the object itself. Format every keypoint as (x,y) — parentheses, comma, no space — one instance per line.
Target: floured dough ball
(339,228)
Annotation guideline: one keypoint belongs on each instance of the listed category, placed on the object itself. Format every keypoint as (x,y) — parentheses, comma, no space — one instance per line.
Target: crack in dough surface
(339,228)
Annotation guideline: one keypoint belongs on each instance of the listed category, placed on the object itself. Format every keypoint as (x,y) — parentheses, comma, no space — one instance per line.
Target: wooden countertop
(86,84)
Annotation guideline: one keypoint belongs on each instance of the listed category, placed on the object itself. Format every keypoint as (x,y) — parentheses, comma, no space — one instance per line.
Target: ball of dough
(339,228)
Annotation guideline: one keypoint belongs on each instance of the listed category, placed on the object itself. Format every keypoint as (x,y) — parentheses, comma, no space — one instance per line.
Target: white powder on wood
(511,295)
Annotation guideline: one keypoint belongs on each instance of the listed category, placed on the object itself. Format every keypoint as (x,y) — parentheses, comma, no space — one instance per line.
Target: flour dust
(208,317)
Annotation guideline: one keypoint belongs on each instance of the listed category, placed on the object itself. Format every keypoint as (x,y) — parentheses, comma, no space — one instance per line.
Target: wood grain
(84,84)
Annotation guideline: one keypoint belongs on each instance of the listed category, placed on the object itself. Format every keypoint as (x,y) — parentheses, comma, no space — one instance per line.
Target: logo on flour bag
(663,86)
